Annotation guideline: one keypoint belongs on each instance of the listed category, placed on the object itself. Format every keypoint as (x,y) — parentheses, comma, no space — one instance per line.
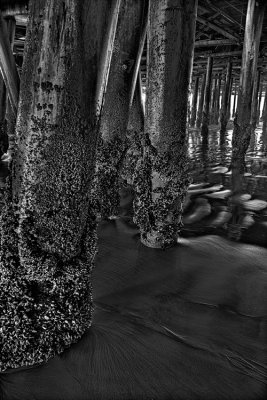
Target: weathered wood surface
(115,113)
(162,183)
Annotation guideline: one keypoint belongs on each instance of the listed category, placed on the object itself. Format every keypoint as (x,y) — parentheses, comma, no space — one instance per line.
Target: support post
(8,66)
(264,119)
(235,97)
(259,103)
(225,99)
(201,102)
(163,180)
(214,99)
(255,99)
(242,126)
(10,116)
(194,103)
(217,101)
(2,116)
(229,100)
(131,27)
(206,106)
(48,230)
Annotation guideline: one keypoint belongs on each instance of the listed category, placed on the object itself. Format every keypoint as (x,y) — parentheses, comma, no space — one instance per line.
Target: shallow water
(210,204)
(189,322)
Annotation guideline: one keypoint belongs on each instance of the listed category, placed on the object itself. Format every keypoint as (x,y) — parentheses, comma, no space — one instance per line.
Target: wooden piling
(242,126)
(235,97)
(8,66)
(225,99)
(255,99)
(125,62)
(217,101)
(206,105)
(194,103)
(162,182)
(201,102)
(48,229)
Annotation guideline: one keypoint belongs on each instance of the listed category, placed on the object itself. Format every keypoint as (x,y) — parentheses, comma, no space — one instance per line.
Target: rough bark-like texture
(225,100)
(47,234)
(115,113)
(194,103)
(162,181)
(242,126)
(206,106)
(201,102)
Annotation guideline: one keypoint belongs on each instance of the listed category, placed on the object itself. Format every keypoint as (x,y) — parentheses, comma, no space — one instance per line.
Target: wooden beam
(216,42)
(138,58)
(234,53)
(12,11)
(218,29)
(8,67)
(106,55)
(224,14)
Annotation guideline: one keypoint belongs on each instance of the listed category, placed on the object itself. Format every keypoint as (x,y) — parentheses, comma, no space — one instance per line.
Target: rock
(219,170)
(221,218)
(202,209)
(197,185)
(241,198)
(255,205)
(223,194)
(213,188)
(247,220)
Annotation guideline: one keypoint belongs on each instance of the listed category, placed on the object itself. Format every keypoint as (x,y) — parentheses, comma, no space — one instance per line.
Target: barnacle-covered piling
(48,239)
(113,142)
(161,176)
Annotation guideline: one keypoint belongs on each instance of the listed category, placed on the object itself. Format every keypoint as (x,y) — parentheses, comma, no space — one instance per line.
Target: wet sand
(189,322)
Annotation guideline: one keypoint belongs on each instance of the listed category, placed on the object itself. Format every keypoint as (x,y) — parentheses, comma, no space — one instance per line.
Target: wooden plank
(216,42)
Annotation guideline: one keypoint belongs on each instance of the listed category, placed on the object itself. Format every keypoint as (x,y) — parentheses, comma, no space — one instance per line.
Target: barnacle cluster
(107,179)
(45,295)
(158,208)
